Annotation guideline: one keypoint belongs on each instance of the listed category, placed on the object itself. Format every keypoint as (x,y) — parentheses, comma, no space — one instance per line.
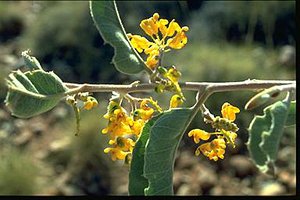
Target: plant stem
(208,87)
(205,89)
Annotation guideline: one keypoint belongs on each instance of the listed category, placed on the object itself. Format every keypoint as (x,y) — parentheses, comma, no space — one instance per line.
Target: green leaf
(291,118)
(30,61)
(32,93)
(137,182)
(164,138)
(265,133)
(108,23)
(151,170)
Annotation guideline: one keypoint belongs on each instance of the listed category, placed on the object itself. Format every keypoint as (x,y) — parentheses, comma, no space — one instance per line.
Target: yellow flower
(118,121)
(213,150)
(124,144)
(150,25)
(112,106)
(199,134)
(228,111)
(124,130)
(116,128)
(116,153)
(152,60)
(137,126)
(164,35)
(175,101)
(90,103)
(179,40)
(173,74)
(144,114)
(169,32)
(138,42)
(225,132)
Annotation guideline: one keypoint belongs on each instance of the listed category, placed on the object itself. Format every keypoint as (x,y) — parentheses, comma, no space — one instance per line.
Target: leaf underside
(33,92)
(265,133)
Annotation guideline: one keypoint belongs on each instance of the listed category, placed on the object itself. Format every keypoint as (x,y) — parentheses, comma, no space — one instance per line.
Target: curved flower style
(225,132)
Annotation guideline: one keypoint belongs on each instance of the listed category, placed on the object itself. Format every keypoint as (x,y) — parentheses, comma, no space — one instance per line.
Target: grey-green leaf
(265,133)
(108,23)
(161,147)
(30,61)
(32,93)
(137,181)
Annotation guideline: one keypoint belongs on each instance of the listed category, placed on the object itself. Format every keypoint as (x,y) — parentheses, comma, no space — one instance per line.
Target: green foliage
(107,20)
(137,181)
(30,61)
(153,158)
(265,134)
(33,92)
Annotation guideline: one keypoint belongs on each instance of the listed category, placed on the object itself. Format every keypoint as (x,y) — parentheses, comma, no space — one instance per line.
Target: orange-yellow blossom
(213,150)
(225,132)
(116,153)
(164,36)
(228,111)
(199,134)
(90,103)
(125,144)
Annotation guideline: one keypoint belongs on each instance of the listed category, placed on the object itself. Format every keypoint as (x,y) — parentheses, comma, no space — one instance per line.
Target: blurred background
(227,41)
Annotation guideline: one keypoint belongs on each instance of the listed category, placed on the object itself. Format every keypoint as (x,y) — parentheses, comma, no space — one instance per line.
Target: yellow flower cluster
(124,129)
(164,36)
(225,133)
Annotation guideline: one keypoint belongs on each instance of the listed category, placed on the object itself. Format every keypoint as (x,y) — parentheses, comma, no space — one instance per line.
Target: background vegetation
(227,41)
